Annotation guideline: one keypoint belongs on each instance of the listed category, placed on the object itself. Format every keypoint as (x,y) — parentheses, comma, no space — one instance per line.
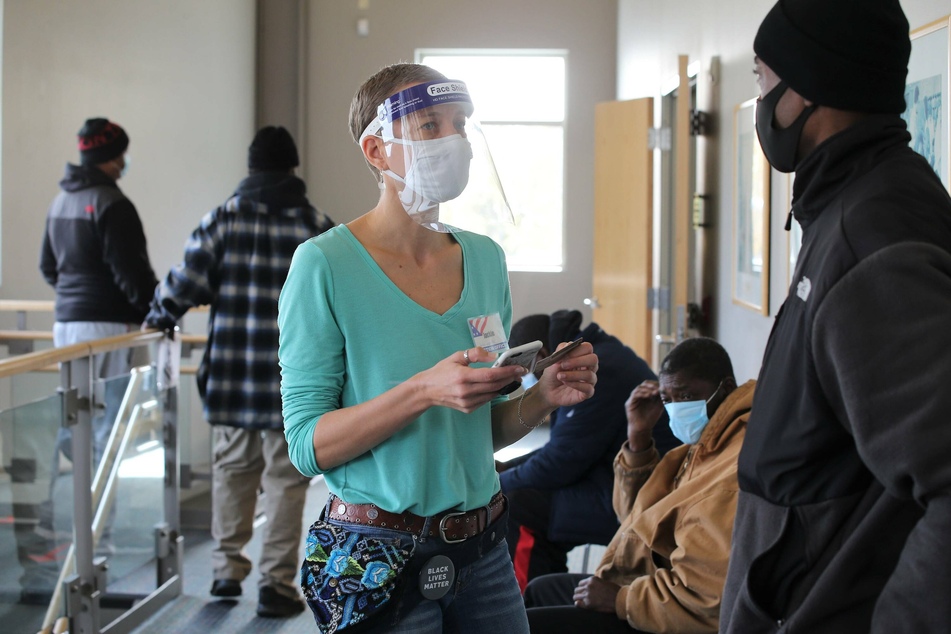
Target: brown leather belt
(451,526)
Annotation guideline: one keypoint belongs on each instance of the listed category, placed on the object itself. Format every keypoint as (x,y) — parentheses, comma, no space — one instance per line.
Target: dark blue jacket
(577,462)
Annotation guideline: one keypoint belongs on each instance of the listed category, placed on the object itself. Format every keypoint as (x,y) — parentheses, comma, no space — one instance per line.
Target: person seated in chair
(560,494)
(665,568)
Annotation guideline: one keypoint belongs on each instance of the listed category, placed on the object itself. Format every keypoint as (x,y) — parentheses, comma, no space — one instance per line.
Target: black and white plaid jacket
(236,261)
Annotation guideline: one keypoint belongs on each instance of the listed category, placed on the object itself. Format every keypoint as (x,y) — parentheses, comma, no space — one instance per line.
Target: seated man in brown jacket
(665,568)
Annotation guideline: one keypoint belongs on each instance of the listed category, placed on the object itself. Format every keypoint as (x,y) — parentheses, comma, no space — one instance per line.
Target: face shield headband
(439,160)
(412,99)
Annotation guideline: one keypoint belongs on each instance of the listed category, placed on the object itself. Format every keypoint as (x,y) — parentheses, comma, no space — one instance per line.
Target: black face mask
(779,144)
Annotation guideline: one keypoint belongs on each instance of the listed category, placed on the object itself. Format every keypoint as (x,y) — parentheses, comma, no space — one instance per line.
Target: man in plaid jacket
(236,261)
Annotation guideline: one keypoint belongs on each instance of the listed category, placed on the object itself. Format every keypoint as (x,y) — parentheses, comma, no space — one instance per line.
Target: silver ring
(465,355)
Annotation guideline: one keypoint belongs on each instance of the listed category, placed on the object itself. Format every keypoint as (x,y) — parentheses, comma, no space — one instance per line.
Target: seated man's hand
(597,594)
(644,409)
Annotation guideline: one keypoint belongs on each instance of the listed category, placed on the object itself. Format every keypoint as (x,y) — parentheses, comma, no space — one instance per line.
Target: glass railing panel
(32,386)
(36,511)
(190,421)
(135,504)
(128,486)
(27,387)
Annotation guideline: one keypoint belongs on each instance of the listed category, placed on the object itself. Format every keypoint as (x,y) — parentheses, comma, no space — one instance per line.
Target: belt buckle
(442,527)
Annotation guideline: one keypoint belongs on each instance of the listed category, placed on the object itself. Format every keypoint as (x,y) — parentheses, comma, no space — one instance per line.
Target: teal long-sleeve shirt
(348,334)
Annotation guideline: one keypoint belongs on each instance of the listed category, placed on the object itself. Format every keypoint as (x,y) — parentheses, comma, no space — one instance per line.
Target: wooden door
(623,227)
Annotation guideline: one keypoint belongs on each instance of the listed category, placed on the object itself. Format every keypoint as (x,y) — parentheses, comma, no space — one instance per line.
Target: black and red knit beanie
(845,54)
(273,149)
(100,141)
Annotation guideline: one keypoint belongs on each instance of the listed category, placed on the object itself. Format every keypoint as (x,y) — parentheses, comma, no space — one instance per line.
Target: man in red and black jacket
(94,255)
(94,252)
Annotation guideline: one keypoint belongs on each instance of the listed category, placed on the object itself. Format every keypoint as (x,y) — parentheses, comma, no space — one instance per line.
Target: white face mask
(438,170)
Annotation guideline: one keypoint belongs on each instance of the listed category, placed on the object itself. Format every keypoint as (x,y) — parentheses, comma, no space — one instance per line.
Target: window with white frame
(519,99)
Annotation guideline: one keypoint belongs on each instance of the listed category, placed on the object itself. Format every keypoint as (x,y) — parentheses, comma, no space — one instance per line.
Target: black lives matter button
(436,577)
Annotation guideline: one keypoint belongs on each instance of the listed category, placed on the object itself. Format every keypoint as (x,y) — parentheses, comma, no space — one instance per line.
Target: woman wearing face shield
(389,325)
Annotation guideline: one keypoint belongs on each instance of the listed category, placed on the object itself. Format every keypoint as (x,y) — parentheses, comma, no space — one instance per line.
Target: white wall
(651,33)
(178,75)
(340,61)
(279,64)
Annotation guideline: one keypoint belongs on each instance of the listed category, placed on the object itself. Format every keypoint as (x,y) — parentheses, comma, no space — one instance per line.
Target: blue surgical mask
(688,419)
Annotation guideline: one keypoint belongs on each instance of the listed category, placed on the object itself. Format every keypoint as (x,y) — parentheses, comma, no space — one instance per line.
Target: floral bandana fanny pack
(348,577)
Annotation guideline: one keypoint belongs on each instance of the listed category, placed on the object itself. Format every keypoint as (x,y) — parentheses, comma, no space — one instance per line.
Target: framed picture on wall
(927,103)
(750,213)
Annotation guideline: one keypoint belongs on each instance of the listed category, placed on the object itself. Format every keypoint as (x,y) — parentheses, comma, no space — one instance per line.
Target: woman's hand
(566,383)
(572,379)
(343,434)
(453,383)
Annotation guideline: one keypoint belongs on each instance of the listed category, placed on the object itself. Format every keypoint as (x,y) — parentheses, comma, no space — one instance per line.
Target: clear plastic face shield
(438,159)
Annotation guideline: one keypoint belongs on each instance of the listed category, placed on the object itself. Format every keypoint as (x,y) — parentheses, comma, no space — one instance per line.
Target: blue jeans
(484,599)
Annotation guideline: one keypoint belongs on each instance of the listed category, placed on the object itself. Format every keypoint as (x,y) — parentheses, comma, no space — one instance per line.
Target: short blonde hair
(381,85)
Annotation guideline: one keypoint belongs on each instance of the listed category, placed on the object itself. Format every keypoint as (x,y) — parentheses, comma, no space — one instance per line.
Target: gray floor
(196,611)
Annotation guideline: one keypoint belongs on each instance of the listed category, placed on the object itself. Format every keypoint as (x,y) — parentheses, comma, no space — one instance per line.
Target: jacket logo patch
(803,288)
(90,209)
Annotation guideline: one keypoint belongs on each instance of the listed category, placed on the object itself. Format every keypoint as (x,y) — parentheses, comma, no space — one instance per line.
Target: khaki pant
(244,461)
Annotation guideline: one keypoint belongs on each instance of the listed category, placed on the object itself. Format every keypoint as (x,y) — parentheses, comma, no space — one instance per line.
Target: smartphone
(557,356)
(524,356)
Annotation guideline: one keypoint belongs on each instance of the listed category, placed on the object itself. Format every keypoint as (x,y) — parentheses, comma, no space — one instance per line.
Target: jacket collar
(78,177)
(842,158)
(274,190)
(725,422)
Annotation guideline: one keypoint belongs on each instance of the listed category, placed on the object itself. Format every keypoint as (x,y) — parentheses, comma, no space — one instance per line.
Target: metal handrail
(42,305)
(37,361)
(27,305)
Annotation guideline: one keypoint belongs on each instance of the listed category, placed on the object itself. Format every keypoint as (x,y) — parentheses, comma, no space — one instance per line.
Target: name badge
(487,331)
(436,577)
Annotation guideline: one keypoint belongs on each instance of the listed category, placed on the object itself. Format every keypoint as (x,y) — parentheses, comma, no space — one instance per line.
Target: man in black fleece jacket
(843,522)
